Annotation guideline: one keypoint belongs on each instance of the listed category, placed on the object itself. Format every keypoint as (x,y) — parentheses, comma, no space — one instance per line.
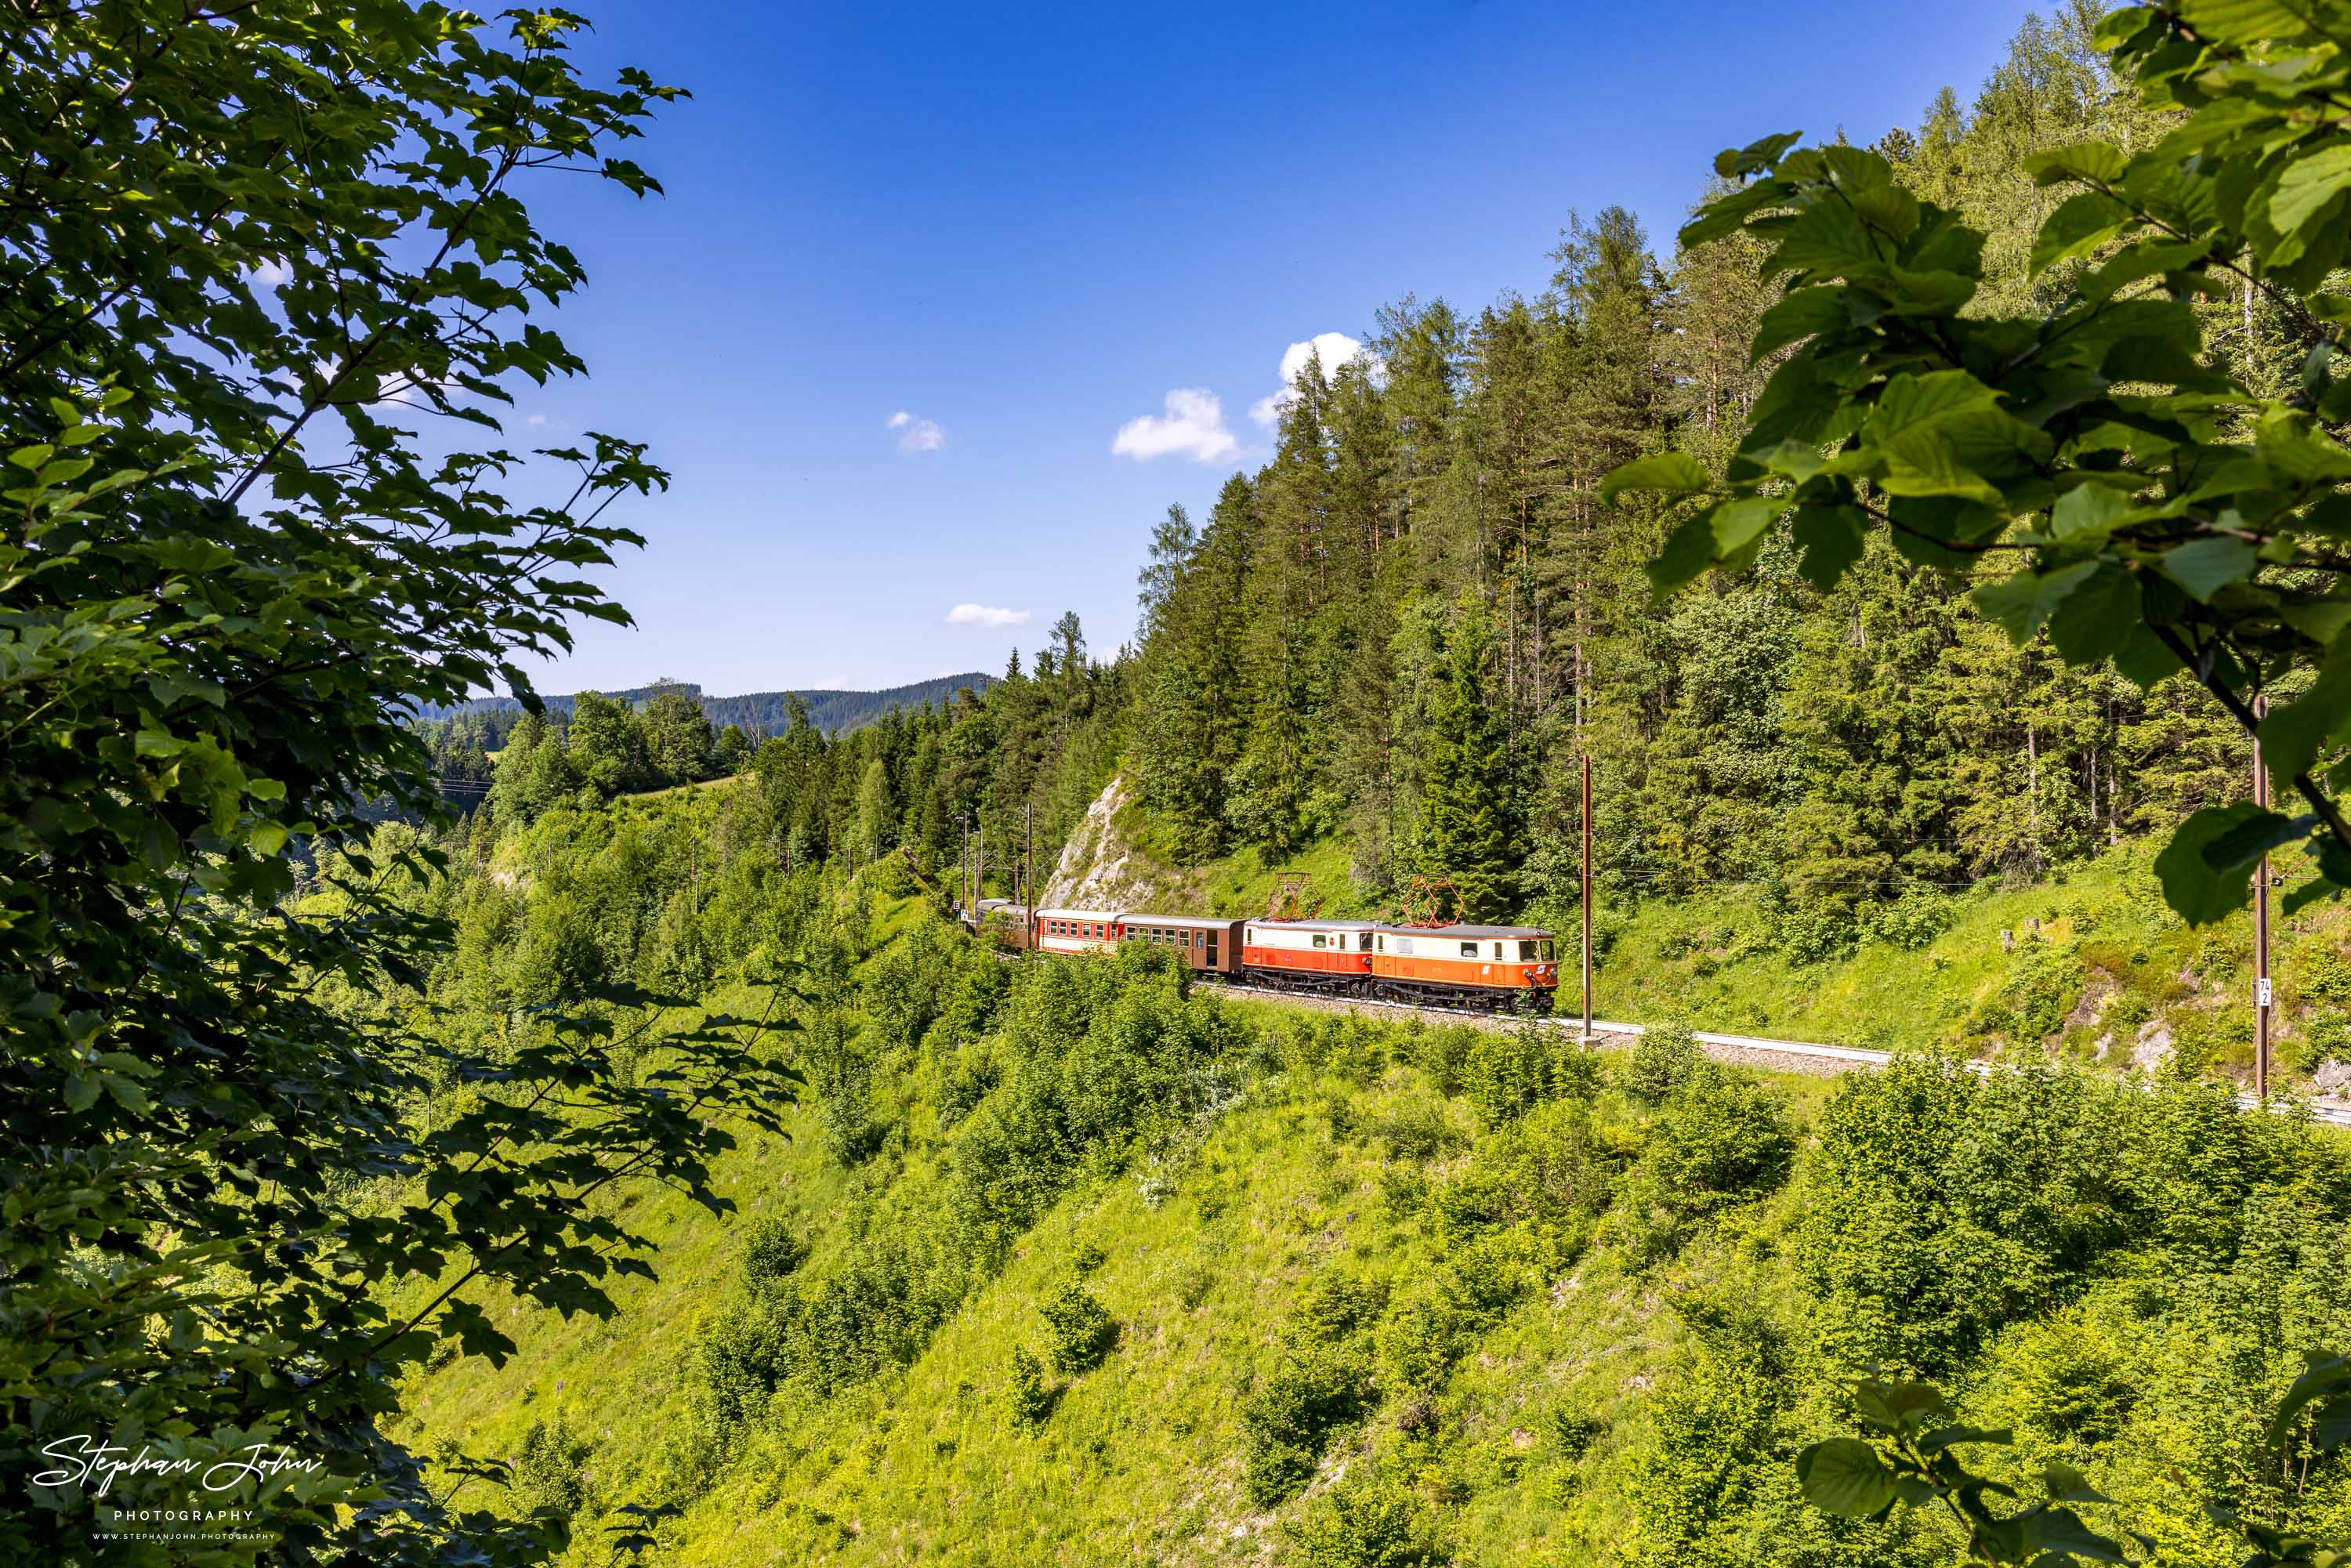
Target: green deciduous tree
(243,254)
(2157,505)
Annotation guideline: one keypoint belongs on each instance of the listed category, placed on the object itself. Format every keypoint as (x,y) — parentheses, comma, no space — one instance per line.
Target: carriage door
(1209,936)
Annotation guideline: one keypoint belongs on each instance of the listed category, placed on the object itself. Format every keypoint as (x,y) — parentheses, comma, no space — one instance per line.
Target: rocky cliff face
(1102,868)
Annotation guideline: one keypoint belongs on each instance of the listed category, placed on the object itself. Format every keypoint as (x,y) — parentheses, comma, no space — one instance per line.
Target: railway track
(1756,1050)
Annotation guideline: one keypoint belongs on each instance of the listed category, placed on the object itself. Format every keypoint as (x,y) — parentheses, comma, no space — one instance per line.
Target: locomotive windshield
(1527,952)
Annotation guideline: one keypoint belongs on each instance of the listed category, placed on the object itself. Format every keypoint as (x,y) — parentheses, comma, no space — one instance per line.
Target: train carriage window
(1320,941)
(1364,942)
(1526,952)
(1183,938)
(1468,949)
(1548,950)
(1404,945)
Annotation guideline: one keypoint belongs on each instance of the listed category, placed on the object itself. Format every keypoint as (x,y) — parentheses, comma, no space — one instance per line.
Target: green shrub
(1719,1142)
(1509,1072)
(1416,1132)
(1911,922)
(1333,1305)
(1416,1346)
(1027,1398)
(1364,1523)
(1288,1420)
(1664,1058)
(2044,981)
(2323,973)
(1815,933)
(771,1251)
(549,1469)
(1080,1330)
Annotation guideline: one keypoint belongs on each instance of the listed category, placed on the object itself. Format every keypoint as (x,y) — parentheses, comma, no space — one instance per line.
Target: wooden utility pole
(1587,896)
(2261,925)
(1028,857)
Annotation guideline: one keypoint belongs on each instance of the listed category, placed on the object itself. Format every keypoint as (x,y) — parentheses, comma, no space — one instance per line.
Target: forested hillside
(1383,654)
(1061,1264)
(755,713)
(464,737)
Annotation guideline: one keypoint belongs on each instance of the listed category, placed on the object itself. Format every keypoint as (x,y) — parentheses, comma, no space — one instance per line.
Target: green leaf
(1687,551)
(2087,508)
(2060,1531)
(2095,621)
(2245,21)
(2296,730)
(2066,1484)
(2144,660)
(1805,313)
(2295,447)
(2140,260)
(1832,539)
(1737,524)
(2245,843)
(2024,603)
(1671,472)
(2081,223)
(2205,565)
(1844,1475)
(2199,893)
(1937,434)
(2324,1376)
(1826,237)
(1756,155)
(2091,160)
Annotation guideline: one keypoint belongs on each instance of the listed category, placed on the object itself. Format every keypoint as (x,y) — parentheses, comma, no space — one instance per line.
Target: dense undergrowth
(1065,1264)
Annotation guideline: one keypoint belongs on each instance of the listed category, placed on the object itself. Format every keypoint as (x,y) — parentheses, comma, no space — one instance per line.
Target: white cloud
(917,435)
(1334,348)
(535,419)
(1193,426)
(985,615)
(271,272)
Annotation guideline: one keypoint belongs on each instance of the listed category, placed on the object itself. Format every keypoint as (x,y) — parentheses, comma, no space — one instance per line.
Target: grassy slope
(1140,1461)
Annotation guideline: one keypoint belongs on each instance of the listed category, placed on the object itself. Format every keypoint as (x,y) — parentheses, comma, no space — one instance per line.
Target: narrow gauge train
(1491,966)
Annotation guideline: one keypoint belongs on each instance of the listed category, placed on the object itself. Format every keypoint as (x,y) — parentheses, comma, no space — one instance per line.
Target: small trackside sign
(2261,992)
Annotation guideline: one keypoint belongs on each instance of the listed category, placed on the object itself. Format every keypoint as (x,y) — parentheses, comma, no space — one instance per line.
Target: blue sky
(1023,228)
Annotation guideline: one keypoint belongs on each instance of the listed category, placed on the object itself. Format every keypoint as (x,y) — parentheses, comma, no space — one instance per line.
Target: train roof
(1505,931)
(1134,917)
(1079,914)
(1311,925)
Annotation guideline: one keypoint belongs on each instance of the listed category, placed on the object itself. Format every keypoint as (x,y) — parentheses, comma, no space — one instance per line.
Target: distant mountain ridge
(767,713)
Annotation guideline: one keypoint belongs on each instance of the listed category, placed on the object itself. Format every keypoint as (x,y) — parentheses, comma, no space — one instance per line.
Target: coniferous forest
(446,1124)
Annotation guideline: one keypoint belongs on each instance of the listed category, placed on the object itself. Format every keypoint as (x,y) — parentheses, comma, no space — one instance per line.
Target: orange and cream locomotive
(1498,967)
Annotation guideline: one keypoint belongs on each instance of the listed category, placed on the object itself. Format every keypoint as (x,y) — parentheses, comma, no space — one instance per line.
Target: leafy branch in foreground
(243,252)
(1910,1457)
(2155,512)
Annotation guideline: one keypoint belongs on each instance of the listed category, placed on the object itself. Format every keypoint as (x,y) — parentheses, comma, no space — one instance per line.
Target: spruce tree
(1465,807)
